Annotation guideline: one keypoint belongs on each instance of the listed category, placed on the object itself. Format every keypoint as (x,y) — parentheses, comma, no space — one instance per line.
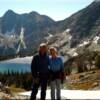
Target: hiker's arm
(62,65)
(33,67)
(63,75)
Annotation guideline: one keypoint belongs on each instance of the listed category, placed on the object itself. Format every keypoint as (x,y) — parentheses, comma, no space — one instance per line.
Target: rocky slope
(85,81)
(83,24)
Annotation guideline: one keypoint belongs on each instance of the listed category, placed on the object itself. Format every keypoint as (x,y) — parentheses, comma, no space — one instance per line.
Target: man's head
(43,48)
(53,51)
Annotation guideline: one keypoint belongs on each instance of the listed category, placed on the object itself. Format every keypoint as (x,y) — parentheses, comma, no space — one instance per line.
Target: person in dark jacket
(40,72)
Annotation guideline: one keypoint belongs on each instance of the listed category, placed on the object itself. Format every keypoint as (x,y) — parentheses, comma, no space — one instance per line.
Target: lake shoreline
(17,64)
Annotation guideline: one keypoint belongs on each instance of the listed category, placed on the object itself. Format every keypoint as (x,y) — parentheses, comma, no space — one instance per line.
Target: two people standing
(44,68)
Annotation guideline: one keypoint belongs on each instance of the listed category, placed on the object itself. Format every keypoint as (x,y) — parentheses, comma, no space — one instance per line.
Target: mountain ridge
(84,24)
(36,27)
(84,18)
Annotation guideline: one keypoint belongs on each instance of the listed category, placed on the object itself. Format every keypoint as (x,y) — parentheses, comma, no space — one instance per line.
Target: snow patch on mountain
(9,39)
(84,43)
(96,39)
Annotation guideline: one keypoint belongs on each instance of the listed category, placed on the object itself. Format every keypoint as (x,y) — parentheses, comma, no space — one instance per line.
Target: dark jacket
(39,65)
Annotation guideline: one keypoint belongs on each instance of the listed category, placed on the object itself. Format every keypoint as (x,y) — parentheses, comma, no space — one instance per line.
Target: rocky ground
(4,96)
(7,94)
(85,81)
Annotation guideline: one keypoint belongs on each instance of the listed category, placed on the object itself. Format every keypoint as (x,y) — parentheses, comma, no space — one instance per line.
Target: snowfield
(69,94)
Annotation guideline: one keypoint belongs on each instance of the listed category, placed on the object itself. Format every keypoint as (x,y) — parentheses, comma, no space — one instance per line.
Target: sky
(56,9)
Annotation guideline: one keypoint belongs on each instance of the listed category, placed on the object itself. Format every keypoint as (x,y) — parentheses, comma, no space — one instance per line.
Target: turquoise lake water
(15,67)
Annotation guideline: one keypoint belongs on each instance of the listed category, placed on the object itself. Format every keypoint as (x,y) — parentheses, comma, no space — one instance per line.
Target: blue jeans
(56,89)
(43,84)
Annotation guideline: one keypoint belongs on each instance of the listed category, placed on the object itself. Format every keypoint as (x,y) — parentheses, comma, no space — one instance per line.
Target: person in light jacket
(56,69)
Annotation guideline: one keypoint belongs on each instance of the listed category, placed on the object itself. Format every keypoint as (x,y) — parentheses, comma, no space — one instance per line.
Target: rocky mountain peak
(9,13)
